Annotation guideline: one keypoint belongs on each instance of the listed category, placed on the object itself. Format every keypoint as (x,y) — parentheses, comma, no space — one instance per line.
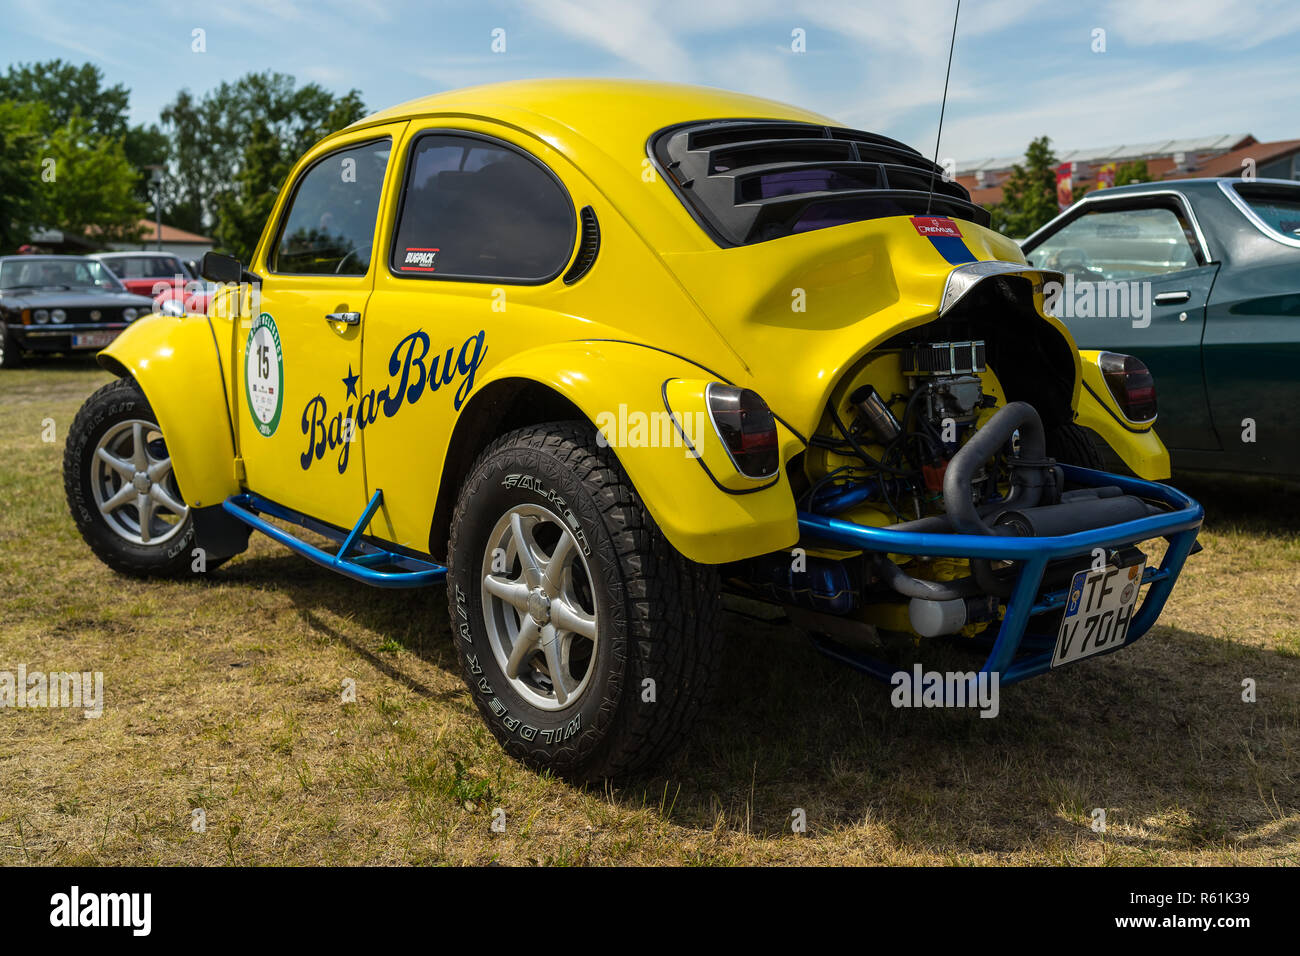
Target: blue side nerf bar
(1179,526)
(360,560)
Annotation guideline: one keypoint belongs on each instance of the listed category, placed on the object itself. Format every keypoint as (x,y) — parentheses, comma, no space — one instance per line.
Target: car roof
(134,254)
(43,258)
(614,114)
(1196,183)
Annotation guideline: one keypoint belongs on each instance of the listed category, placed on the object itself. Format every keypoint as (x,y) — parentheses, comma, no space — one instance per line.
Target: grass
(225,695)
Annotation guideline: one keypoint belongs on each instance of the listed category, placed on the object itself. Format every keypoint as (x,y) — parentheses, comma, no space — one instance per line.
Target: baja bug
(593,352)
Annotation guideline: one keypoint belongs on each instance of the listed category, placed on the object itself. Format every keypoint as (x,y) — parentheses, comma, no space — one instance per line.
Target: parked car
(592,351)
(61,304)
(145,273)
(1221,260)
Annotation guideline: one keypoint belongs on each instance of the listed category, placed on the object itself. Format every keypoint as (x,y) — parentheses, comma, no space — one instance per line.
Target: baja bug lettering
(413,373)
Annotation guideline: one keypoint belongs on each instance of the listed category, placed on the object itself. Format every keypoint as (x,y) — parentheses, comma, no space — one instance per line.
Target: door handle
(1172,298)
(350,318)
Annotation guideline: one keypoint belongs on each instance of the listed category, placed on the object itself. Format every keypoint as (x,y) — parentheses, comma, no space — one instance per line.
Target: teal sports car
(1200,279)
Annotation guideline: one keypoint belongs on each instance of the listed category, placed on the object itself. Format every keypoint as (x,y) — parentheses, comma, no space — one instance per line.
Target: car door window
(1119,244)
(330,225)
(480,210)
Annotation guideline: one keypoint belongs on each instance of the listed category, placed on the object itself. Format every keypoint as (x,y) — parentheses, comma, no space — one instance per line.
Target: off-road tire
(657,649)
(1072,445)
(116,402)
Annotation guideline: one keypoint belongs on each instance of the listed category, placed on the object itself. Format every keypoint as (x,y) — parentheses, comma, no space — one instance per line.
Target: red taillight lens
(747,429)
(1131,383)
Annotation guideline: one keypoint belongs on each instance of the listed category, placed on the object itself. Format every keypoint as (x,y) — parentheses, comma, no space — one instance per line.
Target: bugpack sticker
(264,374)
(419,259)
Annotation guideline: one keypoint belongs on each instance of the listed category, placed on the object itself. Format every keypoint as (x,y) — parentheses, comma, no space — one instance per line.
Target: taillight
(747,428)
(1131,383)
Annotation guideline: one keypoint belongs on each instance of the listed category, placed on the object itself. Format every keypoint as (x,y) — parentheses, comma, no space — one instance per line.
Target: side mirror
(222,269)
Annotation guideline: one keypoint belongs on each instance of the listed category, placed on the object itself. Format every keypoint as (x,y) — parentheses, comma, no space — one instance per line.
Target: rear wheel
(120,486)
(1072,445)
(586,640)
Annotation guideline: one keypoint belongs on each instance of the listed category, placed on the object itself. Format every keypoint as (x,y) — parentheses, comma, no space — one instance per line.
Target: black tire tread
(671,603)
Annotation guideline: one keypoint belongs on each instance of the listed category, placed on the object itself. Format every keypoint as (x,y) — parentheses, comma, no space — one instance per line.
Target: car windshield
(146,267)
(56,273)
(1278,206)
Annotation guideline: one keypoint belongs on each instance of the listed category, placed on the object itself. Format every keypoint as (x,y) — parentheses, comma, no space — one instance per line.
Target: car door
(1252,333)
(481,233)
(300,360)
(1138,280)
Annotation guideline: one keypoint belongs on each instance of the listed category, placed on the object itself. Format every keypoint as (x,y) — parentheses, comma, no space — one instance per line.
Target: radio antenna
(942,106)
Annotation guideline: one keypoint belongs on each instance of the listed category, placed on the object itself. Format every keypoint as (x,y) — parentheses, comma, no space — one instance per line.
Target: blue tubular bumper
(355,558)
(1179,526)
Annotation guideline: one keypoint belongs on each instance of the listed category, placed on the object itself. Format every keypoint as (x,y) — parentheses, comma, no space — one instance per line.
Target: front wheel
(587,641)
(120,486)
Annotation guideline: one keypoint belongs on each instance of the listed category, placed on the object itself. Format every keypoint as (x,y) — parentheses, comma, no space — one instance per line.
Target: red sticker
(936,226)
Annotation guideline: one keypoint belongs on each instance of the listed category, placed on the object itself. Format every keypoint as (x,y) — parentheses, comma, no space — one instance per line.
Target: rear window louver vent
(749,181)
(588,246)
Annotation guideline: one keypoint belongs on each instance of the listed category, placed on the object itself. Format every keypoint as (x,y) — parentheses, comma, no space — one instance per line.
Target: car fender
(1138,446)
(622,389)
(176,363)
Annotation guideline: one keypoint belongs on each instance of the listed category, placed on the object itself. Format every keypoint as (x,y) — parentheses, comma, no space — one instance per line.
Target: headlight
(58,315)
(41,316)
(746,426)
(130,314)
(173,308)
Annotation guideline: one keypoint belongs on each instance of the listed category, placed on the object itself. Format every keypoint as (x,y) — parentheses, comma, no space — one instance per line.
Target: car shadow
(1157,736)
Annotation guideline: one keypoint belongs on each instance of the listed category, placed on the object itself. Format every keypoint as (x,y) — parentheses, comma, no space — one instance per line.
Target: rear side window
(1112,244)
(1278,206)
(330,226)
(146,267)
(748,181)
(479,210)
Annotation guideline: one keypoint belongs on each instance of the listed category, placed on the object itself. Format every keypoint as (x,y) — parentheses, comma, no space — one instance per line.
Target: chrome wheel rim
(133,484)
(539,607)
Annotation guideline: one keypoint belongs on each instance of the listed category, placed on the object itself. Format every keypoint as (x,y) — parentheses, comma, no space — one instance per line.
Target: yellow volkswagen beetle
(593,352)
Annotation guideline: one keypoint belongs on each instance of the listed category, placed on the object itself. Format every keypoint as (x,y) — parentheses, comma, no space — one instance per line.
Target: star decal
(351,382)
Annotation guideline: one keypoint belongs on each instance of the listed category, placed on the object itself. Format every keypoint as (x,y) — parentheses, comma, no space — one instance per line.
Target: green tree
(242,211)
(1134,172)
(1029,195)
(87,186)
(262,121)
(20,141)
(67,90)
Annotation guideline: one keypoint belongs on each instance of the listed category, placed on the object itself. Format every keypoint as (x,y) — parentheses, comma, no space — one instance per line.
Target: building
(186,245)
(1222,155)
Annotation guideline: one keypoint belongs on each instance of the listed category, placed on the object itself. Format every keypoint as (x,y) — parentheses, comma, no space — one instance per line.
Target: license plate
(1098,612)
(93,340)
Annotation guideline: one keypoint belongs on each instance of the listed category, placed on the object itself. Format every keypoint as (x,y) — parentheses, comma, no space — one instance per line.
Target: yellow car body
(665,304)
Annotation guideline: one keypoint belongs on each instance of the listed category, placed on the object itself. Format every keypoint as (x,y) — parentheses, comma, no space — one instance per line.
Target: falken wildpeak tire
(652,663)
(113,409)
(1071,445)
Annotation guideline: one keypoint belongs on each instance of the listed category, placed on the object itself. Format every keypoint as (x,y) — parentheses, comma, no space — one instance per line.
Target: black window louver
(749,181)
(588,246)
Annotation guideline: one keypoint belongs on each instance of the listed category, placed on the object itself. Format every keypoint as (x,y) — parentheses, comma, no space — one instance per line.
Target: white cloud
(1228,23)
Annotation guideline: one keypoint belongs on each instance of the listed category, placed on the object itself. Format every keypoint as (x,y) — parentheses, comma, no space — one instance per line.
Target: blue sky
(1171,68)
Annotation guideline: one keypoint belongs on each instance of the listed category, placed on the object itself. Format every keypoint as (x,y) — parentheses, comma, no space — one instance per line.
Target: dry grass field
(224,694)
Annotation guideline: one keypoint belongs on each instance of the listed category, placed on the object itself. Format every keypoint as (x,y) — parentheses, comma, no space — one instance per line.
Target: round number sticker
(264,374)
